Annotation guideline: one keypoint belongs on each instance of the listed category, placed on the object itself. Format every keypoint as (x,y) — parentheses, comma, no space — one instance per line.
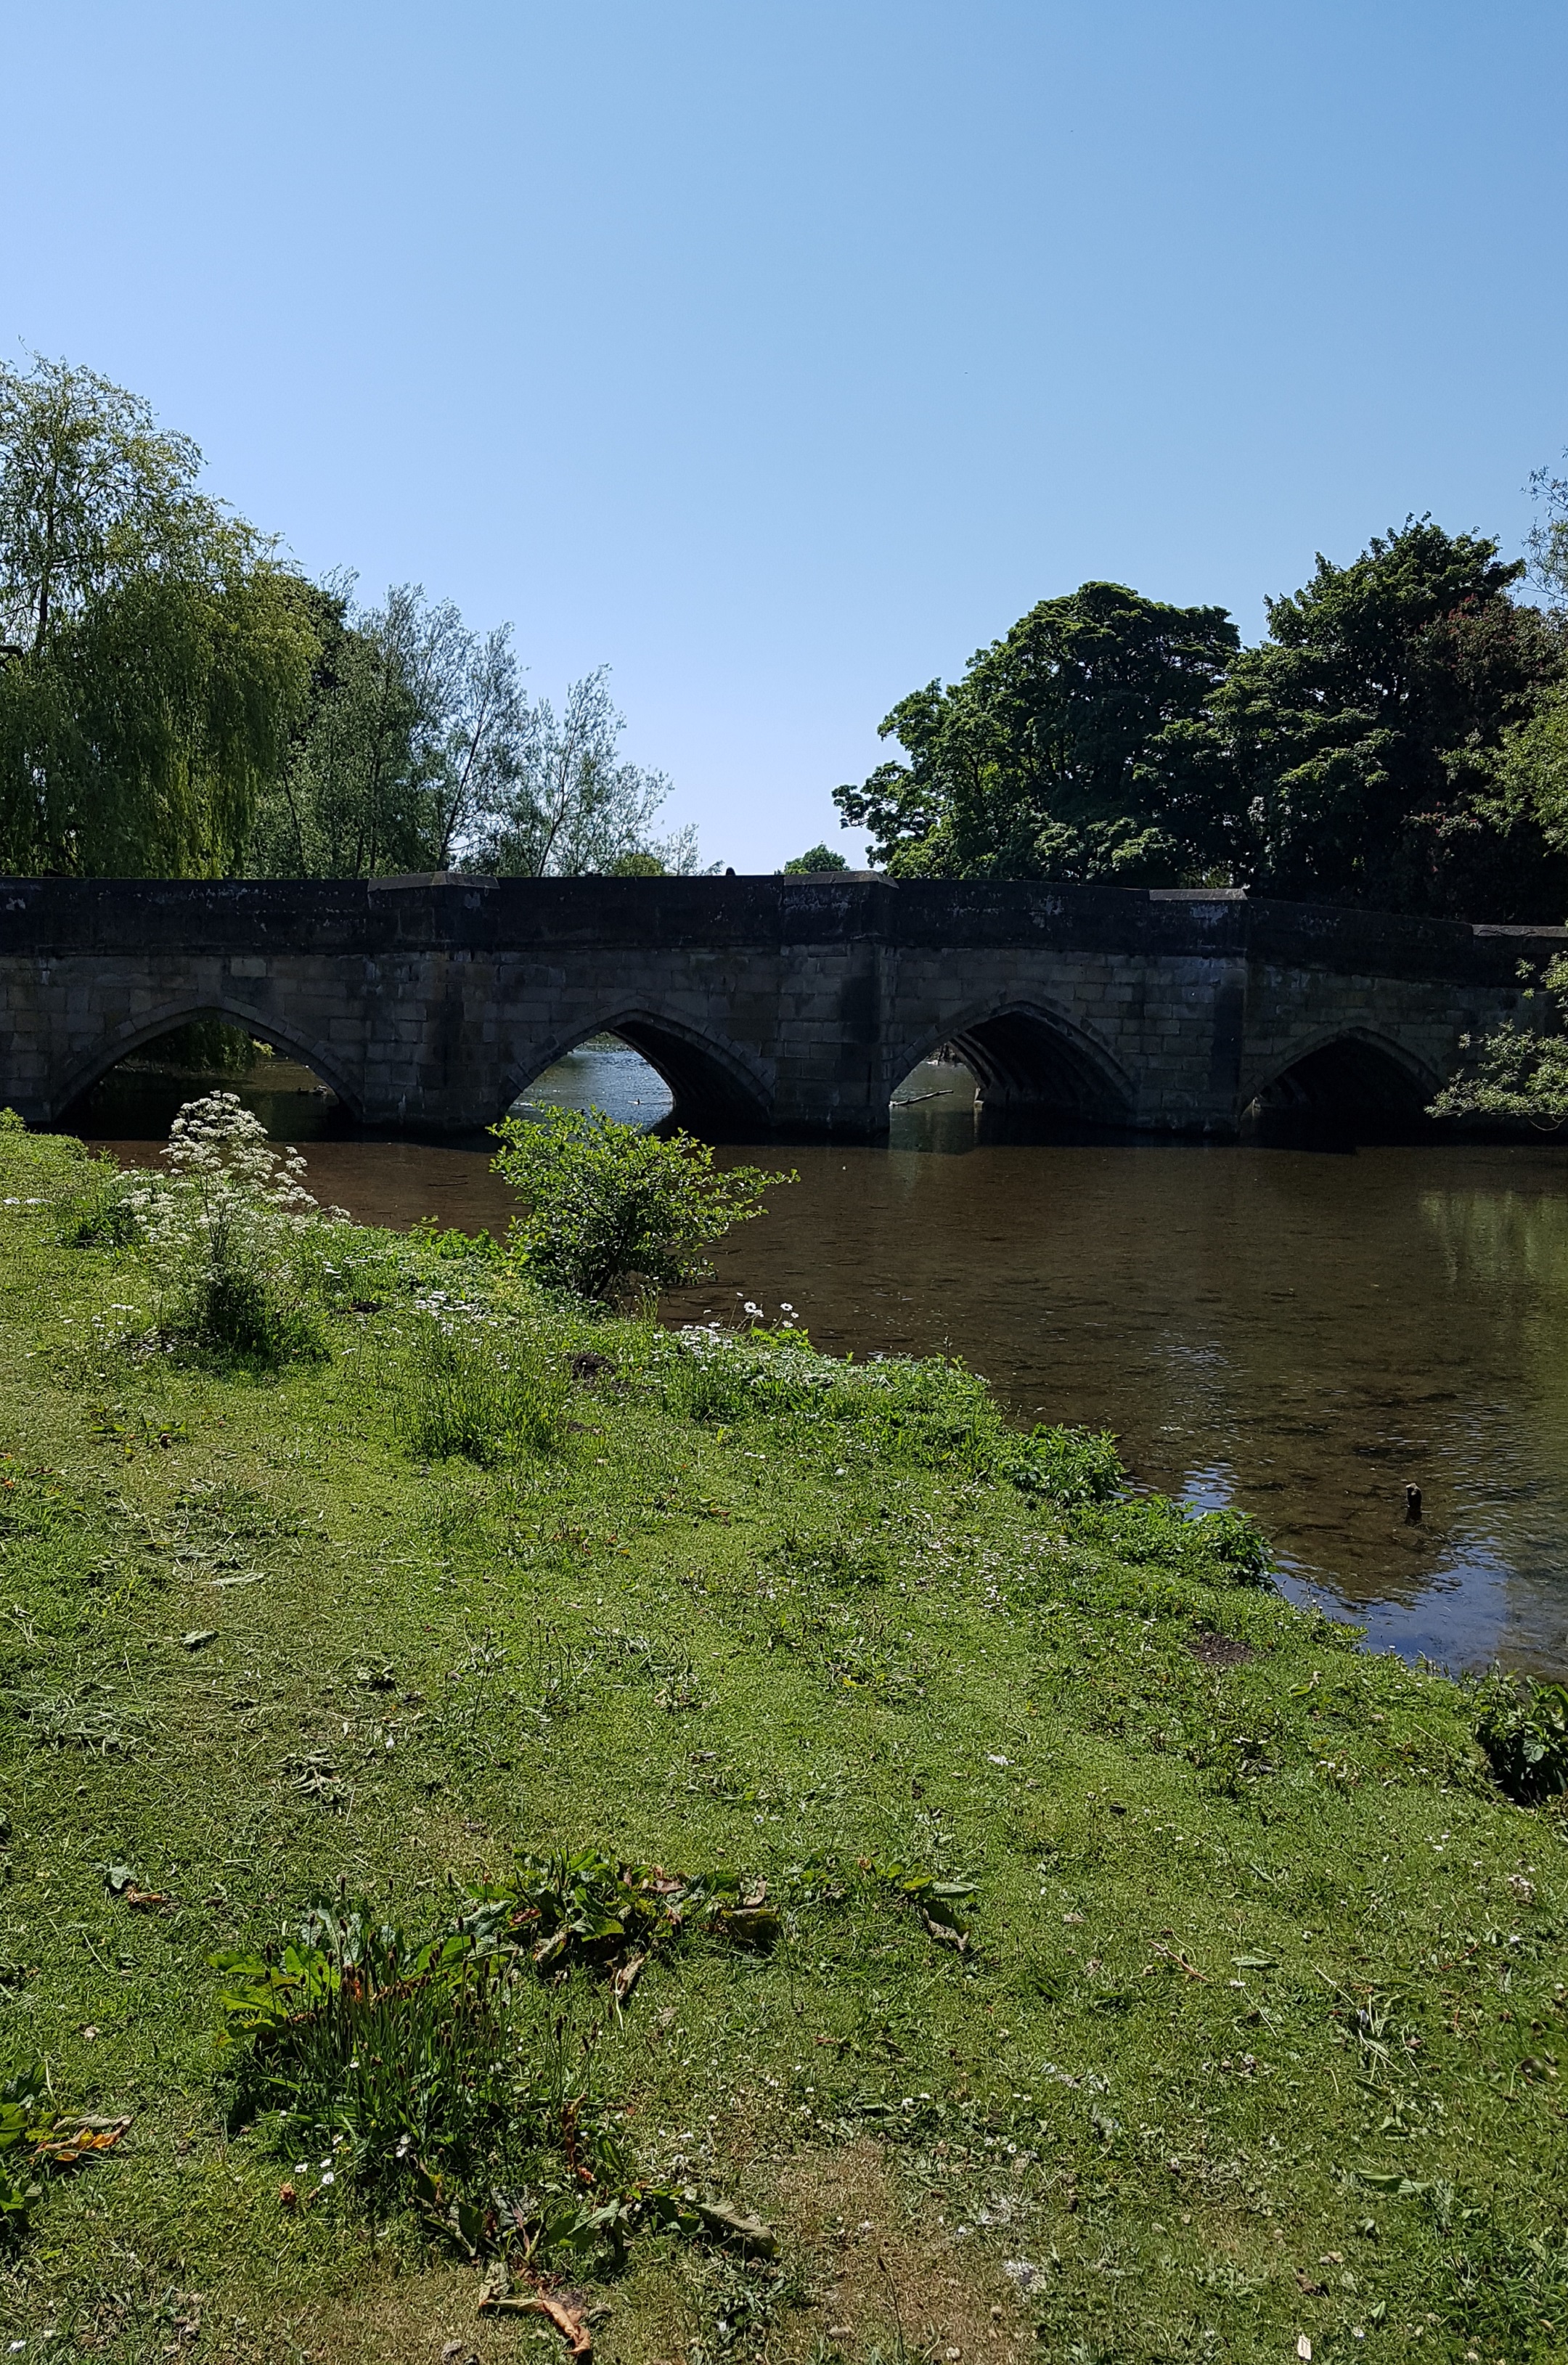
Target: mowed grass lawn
(1247,2040)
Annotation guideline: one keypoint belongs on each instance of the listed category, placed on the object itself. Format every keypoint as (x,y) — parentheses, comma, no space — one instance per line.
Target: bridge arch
(713,1084)
(1027,1056)
(88,1068)
(1349,1075)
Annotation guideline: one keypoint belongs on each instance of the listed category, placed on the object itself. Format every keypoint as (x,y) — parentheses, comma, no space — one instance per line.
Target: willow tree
(154,655)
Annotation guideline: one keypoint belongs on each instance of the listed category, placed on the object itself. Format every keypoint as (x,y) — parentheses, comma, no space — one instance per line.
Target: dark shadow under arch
(90,1069)
(1353,1085)
(1030,1063)
(713,1091)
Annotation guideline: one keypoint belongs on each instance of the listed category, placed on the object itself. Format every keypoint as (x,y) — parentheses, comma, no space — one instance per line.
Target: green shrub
(474,1390)
(612,1210)
(394,2066)
(1523,1728)
(443,2072)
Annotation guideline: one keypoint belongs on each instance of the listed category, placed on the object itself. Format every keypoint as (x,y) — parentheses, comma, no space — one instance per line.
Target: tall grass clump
(90,1197)
(926,1412)
(471,1389)
(229,1237)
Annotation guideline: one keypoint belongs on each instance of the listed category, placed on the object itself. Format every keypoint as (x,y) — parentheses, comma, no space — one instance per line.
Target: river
(1298,1332)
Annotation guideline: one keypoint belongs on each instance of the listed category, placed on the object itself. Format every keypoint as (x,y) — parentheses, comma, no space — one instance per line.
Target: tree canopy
(1359,747)
(571,801)
(1036,763)
(176,701)
(410,741)
(156,655)
(815,857)
(1400,739)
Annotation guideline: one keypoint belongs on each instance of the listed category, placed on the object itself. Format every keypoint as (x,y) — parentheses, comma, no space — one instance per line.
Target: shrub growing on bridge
(610,1209)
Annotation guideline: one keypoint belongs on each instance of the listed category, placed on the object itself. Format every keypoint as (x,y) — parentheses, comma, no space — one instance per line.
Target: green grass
(1132,1997)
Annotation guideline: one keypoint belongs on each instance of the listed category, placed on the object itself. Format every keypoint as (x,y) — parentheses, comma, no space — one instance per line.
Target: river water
(1298,1332)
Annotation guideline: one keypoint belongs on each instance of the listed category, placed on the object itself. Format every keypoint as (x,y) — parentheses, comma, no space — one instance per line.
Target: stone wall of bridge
(792,1004)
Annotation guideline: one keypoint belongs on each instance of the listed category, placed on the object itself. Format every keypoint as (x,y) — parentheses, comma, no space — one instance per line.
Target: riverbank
(1075,1950)
(1297,1334)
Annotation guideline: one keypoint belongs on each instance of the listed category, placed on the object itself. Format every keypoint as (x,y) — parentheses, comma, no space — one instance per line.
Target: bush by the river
(610,1208)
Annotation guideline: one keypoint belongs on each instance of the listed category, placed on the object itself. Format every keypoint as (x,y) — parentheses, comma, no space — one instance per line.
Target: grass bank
(807,1873)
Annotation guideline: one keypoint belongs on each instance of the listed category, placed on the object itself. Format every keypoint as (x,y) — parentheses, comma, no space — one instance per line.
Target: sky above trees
(781,358)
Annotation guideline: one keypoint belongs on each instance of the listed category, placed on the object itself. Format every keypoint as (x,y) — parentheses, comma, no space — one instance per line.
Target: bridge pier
(787,1005)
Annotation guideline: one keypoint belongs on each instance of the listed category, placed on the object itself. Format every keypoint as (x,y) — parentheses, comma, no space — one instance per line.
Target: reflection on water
(1297,1333)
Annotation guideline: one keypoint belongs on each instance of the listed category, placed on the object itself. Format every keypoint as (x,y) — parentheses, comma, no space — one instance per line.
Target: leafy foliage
(158,657)
(1523,1728)
(1515,1071)
(398,2058)
(1362,739)
(573,802)
(1154,1530)
(1397,741)
(414,735)
(1548,539)
(435,2073)
(1041,762)
(816,857)
(35,2140)
(611,1207)
(175,701)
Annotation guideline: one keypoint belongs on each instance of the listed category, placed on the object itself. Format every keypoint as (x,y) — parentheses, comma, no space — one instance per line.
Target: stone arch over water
(1025,1057)
(1354,1078)
(146,1031)
(714,1087)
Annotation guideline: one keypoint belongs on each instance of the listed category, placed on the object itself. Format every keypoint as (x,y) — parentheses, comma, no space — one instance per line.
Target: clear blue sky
(781,355)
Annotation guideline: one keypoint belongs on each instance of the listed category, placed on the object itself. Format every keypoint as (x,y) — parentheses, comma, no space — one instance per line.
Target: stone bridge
(795,1005)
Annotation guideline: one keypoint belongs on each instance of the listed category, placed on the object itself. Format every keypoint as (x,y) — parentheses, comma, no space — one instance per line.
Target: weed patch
(468,1392)
(1523,1728)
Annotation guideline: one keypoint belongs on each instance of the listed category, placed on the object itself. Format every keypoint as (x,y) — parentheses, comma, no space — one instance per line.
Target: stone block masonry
(791,1005)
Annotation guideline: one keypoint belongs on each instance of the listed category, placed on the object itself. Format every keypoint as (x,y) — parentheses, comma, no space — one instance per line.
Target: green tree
(573,804)
(1548,538)
(1358,749)
(1046,759)
(414,734)
(155,657)
(816,857)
